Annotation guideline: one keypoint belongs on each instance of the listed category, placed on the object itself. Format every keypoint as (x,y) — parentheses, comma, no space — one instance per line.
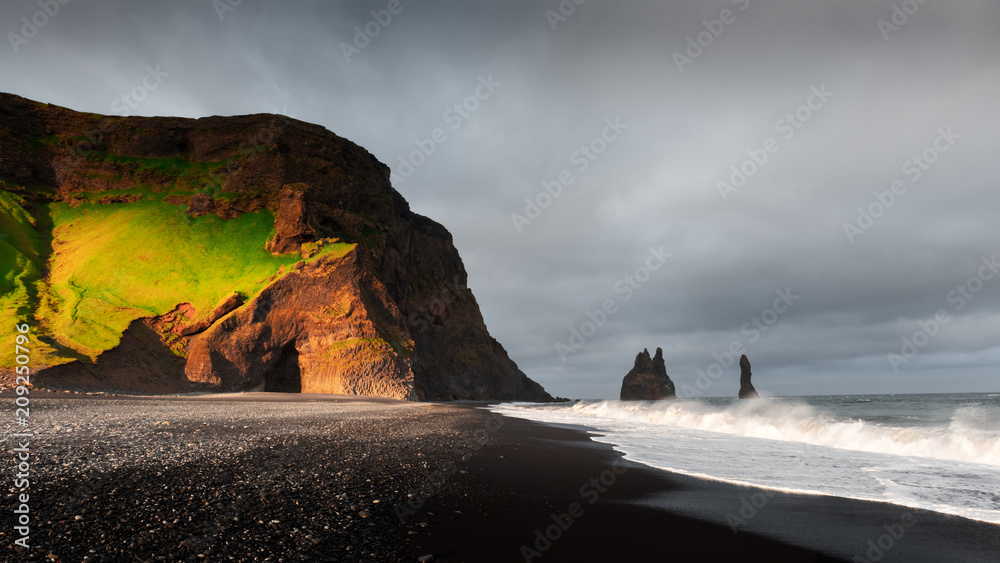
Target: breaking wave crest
(973,434)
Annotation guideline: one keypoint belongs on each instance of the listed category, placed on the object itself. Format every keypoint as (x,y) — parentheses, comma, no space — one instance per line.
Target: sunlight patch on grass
(115,263)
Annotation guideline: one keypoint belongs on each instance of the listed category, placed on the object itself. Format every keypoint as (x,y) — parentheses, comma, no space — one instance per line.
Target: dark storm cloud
(654,185)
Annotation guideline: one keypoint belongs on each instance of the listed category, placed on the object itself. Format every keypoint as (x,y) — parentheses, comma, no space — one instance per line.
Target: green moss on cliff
(21,273)
(366,343)
(20,260)
(174,167)
(114,263)
(369,350)
(175,174)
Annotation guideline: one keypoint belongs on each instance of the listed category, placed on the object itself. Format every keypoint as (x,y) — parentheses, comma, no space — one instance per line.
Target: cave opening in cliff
(285,376)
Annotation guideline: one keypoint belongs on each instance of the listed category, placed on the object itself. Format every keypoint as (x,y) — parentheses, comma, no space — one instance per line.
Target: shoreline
(534,471)
(550,465)
(355,478)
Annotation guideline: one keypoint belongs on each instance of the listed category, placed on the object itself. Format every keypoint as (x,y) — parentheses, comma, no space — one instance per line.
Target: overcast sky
(839,97)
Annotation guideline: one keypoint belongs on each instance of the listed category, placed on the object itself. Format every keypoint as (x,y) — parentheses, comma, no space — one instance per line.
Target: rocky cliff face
(648,380)
(329,320)
(746,387)
(355,293)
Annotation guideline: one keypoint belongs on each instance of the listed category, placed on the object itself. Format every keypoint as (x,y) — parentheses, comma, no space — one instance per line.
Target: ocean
(935,452)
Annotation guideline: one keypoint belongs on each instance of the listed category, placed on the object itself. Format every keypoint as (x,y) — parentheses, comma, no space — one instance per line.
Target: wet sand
(514,488)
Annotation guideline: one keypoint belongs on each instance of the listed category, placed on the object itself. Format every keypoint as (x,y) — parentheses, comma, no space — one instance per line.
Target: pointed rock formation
(746,388)
(292,223)
(648,380)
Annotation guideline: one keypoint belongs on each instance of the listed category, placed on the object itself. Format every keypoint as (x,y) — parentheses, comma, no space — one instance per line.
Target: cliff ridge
(231,253)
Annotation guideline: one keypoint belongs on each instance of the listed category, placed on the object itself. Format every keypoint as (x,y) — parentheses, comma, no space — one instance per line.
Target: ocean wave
(973,435)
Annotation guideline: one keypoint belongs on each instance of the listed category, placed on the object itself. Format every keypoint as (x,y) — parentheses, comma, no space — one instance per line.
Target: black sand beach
(506,500)
(300,478)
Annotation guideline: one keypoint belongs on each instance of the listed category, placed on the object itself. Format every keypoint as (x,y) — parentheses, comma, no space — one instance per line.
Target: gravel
(186,479)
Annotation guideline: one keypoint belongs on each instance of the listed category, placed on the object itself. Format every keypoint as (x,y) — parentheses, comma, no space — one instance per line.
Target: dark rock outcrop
(292,222)
(227,305)
(392,317)
(746,388)
(278,342)
(648,380)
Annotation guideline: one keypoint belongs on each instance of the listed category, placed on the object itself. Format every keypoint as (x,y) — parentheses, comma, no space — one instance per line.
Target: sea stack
(746,388)
(648,380)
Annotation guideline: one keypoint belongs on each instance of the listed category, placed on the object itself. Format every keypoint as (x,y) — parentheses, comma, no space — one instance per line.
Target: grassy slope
(20,265)
(20,268)
(114,263)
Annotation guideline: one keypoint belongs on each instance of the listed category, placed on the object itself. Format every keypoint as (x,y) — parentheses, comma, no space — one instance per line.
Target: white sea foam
(898,450)
(972,436)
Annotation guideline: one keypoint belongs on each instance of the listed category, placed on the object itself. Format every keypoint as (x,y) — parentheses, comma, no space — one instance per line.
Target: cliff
(230,253)
(648,379)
